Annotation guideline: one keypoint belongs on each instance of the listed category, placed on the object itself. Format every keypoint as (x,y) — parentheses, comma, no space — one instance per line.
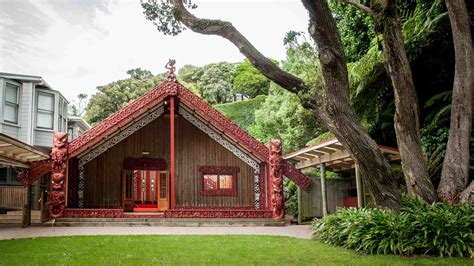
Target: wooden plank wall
(12,197)
(193,149)
(337,190)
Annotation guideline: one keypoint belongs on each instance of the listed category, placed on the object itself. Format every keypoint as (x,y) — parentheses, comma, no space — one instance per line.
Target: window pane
(225,181)
(210,181)
(11,113)
(11,93)
(45,120)
(46,102)
(3,174)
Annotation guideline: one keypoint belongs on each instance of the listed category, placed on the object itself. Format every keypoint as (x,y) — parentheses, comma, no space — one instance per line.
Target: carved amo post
(59,157)
(276,179)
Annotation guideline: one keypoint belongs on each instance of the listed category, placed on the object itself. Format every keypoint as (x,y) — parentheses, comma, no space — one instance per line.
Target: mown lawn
(241,250)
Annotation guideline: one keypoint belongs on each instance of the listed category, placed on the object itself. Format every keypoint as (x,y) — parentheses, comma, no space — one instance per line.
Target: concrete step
(33,213)
(170,222)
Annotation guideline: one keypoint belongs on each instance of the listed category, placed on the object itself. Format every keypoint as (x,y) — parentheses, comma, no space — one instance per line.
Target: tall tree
(407,121)
(331,106)
(249,81)
(455,173)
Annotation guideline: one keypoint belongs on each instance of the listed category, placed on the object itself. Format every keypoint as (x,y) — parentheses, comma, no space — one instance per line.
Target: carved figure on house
(59,156)
(276,179)
(170,66)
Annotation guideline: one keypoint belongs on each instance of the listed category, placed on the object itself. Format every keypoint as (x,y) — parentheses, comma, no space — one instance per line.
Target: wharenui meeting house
(168,154)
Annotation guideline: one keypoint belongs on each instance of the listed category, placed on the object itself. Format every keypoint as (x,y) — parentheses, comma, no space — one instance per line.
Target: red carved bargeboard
(59,157)
(221,208)
(297,176)
(35,172)
(276,179)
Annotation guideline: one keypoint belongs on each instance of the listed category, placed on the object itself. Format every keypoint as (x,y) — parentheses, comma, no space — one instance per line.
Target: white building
(31,110)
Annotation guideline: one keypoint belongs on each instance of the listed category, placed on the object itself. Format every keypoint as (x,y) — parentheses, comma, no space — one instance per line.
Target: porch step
(170,222)
(15,217)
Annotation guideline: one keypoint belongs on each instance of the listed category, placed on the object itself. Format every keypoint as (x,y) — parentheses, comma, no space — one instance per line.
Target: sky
(77,45)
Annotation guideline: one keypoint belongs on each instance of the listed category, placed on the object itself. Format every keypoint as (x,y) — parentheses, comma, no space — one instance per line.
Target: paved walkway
(298,231)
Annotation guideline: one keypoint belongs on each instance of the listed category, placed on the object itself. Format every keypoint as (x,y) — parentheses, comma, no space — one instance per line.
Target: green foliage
(116,95)
(356,29)
(438,229)
(242,112)
(290,190)
(213,82)
(282,117)
(163,15)
(138,73)
(249,81)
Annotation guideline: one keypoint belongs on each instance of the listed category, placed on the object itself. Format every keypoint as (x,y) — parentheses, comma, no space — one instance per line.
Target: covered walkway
(331,155)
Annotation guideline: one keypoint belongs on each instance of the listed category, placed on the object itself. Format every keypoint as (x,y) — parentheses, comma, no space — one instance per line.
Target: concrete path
(298,231)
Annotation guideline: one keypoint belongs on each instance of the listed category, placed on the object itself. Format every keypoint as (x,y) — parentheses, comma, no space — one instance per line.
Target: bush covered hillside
(242,112)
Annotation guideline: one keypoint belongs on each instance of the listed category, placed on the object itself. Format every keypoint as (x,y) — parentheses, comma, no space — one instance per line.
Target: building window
(11,103)
(45,110)
(218,180)
(3,174)
(62,115)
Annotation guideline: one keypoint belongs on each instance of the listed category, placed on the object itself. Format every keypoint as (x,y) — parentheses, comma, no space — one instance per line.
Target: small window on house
(62,125)
(11,103)
(3,174)
(45,110)
(219,180)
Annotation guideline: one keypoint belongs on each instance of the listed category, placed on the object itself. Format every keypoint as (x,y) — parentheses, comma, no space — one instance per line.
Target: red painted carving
(35,172)
(144,163)
(220,208)
(219,170)
(276,178)
(177,213)
(170,66)
(296,176)
(217,214)
(59,157)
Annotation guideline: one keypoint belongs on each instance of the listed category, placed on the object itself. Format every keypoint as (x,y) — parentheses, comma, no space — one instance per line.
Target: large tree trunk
(455,173)
(374,168)
(407,126)
(339,117)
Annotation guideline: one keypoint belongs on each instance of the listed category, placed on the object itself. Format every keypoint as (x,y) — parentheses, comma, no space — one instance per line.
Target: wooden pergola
(35,163)
(331,155)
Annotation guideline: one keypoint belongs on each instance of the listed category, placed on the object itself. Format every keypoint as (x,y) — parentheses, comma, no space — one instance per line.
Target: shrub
(419,228)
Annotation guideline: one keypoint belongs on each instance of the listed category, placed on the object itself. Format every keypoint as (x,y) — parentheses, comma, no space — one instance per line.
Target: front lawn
(242,250)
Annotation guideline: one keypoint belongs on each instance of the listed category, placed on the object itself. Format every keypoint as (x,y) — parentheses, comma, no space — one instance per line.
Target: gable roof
(136,108)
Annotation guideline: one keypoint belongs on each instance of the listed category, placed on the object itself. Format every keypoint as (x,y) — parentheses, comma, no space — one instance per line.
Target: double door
(145,190)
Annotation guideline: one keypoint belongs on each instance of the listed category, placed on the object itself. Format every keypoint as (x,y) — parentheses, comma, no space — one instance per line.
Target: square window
(219,180)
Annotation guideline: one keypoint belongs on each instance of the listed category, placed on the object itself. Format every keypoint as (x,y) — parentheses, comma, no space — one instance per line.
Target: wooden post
(322,167)
(360,193)
(172,155)
(300,205)
(26,217)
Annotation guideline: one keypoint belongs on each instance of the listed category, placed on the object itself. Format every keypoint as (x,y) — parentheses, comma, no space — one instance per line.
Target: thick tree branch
(360,6)
(228,31)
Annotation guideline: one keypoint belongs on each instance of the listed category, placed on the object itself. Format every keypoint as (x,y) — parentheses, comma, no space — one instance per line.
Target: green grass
(240,250)
(242,112)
